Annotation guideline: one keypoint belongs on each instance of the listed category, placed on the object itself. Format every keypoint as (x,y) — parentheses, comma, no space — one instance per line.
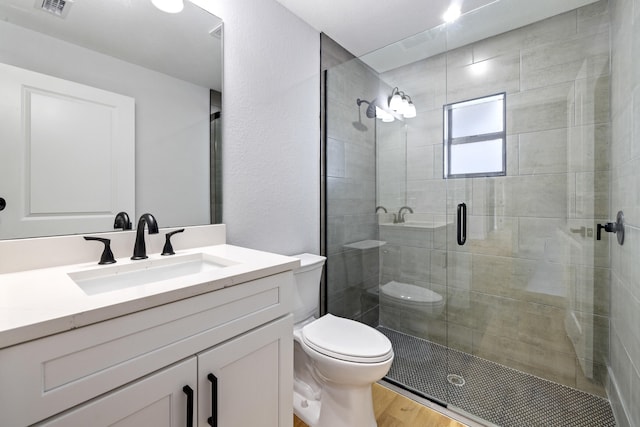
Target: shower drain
(456,380)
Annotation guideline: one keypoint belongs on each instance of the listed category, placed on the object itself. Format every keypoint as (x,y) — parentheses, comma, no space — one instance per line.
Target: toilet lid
(347,340)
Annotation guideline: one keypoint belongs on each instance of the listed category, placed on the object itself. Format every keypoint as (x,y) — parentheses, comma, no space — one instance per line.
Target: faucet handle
(107,255)
(168,248)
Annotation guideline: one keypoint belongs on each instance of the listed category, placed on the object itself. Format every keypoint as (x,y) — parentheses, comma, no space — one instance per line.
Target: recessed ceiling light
(451,14)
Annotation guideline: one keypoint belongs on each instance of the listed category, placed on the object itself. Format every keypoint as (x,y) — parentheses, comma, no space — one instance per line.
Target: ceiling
(363,26)
(179,45)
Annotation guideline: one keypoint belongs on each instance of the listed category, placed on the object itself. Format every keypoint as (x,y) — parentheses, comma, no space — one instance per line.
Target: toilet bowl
(404,295)
(336,360)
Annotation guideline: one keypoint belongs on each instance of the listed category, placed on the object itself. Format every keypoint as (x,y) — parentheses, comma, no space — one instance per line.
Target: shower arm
(371,109)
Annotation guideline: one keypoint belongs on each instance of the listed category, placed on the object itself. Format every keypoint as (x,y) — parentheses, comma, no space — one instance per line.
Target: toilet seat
(346,340)
(411,294)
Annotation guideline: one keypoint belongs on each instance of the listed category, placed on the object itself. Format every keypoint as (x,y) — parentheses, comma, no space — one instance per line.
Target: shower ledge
(420,225)
(365,244)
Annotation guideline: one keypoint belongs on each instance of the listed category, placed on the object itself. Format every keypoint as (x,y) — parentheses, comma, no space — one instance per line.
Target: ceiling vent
(59,8)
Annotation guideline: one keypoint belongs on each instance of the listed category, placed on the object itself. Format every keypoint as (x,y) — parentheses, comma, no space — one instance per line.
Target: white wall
(271,133)
(271,154)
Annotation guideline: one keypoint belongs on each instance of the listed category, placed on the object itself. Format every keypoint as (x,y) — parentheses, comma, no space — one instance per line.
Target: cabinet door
(157,400)
(254,375)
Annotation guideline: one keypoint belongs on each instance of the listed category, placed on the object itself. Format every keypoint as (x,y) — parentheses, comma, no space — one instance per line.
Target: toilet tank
(307,289)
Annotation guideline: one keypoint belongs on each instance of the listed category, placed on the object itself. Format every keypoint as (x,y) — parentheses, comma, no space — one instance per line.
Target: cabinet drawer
(44,377)
(157,400)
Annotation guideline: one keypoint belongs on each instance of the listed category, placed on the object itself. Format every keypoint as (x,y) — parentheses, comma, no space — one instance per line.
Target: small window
(475,137)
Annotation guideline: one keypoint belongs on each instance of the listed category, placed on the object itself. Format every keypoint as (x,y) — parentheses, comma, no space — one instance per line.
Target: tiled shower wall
(353,262)
(530,287)
(624,387)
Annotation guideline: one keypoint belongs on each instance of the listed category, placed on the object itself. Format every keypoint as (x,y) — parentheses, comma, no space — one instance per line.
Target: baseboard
(617,404)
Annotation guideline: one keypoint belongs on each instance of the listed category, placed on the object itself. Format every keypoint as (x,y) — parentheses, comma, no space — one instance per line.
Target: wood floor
(395,410)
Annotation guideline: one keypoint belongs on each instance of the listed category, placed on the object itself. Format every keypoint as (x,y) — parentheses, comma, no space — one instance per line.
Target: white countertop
(45,301)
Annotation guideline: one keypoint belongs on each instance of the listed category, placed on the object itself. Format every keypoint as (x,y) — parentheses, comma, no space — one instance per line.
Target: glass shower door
(527,290)
(494,321)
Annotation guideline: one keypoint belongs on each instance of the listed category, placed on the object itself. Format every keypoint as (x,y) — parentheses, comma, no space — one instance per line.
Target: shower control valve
(613,227)
(609,227)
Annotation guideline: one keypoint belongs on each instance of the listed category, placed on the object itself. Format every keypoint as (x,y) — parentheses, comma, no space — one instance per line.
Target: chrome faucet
(401,213)
(140,249)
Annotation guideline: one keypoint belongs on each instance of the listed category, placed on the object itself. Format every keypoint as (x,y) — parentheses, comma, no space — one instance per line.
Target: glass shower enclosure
(467,234)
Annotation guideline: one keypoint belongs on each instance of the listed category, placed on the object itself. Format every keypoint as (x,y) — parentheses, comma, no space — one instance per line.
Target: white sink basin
(146,272)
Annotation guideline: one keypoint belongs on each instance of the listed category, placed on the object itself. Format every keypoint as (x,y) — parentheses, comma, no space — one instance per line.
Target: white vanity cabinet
(132,370)
(238,383)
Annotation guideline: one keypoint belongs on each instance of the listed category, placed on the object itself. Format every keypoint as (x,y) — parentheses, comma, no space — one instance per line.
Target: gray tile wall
(624,385)
(351,193)
(525,290)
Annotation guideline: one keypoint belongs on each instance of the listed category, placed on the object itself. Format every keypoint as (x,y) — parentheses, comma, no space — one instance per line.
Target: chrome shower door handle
(462,224)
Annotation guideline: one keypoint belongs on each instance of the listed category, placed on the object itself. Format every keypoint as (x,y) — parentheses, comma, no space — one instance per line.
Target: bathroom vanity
(212,346)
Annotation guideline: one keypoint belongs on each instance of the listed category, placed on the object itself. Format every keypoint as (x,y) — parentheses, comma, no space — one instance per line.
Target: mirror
(170,65)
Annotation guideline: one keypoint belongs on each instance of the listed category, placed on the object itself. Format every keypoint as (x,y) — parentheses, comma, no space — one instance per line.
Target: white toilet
(411,309)
(336,360)
(405,296)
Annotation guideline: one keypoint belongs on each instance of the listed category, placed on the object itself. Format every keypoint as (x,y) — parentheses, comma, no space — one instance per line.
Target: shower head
(358,125)
(371,109)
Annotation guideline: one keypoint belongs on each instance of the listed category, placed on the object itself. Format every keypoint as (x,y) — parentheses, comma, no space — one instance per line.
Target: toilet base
(306,409)
(339,406)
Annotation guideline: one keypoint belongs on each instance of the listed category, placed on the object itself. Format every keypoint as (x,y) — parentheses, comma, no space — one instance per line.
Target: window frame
(448,141)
